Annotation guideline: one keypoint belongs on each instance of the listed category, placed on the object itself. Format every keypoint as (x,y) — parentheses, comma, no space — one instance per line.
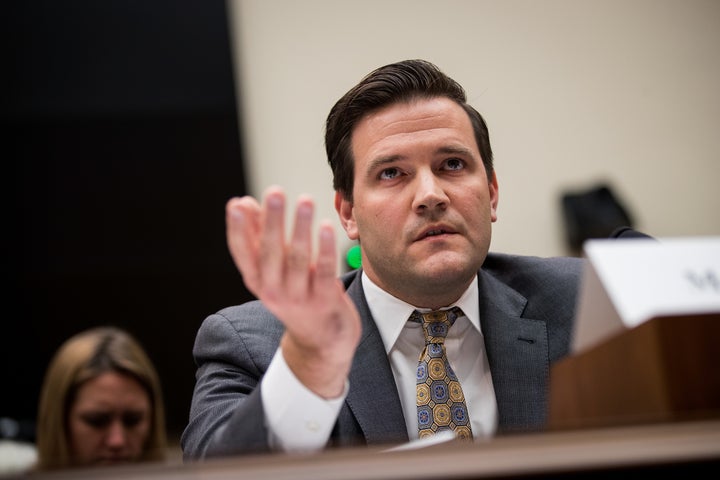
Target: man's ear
(345,211)
(494,197)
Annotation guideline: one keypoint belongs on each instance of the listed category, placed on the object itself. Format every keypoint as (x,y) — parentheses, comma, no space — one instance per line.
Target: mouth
(112,460)
(435,232)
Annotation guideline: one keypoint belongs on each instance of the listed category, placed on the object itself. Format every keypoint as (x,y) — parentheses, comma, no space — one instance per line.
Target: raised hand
(322,325)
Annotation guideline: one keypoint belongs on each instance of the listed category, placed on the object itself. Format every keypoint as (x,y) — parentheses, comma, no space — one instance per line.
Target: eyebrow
(452,149)
(378,162)
(448,149)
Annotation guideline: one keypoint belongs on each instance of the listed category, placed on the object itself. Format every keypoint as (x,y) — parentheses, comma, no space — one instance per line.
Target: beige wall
(574,92)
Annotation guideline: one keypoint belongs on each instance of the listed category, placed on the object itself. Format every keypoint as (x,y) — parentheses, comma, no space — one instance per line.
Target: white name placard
(629,281)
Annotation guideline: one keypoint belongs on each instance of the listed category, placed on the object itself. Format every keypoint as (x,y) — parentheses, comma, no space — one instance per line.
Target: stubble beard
(432,282)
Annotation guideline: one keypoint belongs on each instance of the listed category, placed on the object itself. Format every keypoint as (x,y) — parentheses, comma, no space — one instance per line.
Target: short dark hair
(394,83)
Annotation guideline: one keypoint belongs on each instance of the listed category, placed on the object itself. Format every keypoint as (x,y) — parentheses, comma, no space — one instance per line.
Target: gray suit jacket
(527,308)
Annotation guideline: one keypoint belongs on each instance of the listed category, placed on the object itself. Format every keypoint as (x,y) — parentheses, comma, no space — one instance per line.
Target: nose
(116,436)
(429,193)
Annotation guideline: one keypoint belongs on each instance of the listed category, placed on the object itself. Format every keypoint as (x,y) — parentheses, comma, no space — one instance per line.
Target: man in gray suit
(319,361)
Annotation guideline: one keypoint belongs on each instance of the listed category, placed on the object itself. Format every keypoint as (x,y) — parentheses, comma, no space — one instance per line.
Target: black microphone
(628,232)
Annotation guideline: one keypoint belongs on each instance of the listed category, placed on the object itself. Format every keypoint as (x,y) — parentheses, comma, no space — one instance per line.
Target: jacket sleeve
(226,412)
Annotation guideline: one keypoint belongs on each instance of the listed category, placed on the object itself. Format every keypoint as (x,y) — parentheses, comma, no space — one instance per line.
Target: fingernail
(304,210)
(274,202)
(326,234)
(237,214)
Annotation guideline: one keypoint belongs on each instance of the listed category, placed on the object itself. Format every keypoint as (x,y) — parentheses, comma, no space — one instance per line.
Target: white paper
(630,281)
(440,437)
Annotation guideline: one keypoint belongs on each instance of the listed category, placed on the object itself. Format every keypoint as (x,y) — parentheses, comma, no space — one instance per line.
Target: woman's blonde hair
(83,357)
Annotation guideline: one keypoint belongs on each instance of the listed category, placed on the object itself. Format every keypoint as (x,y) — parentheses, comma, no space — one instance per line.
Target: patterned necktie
(440,399)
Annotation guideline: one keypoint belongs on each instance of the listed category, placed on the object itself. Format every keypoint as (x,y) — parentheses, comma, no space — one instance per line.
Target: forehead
(418,120)
(111,389)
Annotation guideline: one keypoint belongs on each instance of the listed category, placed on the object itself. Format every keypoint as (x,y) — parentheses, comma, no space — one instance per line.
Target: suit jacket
(527,308)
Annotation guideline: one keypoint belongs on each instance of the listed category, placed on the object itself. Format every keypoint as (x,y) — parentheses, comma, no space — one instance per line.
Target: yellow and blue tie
(440,398)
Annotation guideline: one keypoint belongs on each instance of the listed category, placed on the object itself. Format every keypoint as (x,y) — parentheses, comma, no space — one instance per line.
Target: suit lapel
(518,354)
(517,351)
(373,396)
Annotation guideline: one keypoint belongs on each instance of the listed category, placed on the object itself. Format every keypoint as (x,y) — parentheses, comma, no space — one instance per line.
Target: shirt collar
(391,313)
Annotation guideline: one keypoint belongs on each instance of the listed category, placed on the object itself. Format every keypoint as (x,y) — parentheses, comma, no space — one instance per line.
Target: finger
(242,216)
(326,263)
(299,252)
(272,244)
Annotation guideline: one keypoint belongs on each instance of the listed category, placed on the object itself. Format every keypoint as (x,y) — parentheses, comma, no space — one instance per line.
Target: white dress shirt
(299,420)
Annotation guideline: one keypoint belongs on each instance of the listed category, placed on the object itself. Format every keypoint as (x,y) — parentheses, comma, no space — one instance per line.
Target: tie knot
(436,323)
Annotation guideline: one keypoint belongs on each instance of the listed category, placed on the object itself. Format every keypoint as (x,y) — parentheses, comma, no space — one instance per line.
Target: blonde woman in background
(101,404)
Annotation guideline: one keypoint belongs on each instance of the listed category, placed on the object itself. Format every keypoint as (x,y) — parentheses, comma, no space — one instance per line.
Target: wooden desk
(678,447)
(663,370)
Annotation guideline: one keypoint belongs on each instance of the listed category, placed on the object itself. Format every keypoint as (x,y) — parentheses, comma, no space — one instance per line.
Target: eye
(132,419)
(97,420)
(454,164)
(389,173)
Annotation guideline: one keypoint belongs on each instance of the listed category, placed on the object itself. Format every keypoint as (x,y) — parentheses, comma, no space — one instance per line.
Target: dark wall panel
(122,145)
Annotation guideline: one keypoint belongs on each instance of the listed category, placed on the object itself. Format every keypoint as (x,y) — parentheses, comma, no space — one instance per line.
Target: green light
(353,257)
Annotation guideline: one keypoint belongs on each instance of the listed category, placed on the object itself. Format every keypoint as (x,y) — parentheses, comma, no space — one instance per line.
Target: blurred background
(124,145)
(128,124)
(577,94)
